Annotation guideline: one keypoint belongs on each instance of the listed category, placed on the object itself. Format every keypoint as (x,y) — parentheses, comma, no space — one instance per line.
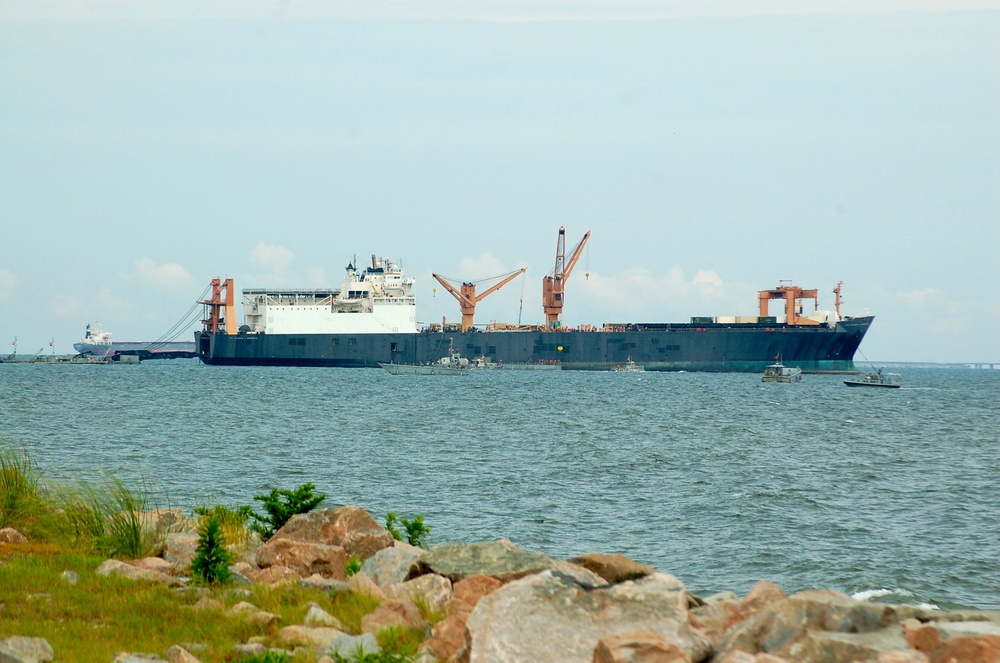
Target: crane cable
(190,317)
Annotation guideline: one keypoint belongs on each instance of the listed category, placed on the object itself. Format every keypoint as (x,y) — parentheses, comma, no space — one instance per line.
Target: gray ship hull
(655,347)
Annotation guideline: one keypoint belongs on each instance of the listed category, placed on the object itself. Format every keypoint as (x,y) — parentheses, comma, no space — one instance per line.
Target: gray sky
(713,149)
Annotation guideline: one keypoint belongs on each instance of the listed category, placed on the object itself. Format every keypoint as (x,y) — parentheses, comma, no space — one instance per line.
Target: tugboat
(778,372)
(877,379)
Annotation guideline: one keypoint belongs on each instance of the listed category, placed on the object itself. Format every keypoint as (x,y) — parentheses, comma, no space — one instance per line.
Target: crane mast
(553,287)
(467,297)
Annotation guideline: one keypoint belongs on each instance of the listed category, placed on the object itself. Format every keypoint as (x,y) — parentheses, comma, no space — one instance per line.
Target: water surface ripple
(716,478)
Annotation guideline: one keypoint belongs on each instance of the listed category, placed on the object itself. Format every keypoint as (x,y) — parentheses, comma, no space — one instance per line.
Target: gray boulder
(550,617)
(500,559)
(21,649)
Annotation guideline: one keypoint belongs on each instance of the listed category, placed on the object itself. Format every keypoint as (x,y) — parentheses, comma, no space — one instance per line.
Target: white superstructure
(376,300)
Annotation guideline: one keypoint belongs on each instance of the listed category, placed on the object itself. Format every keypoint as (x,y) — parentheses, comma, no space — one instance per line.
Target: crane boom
(467,298)
(553,287)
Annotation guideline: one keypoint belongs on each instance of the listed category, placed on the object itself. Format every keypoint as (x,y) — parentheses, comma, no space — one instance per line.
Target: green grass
(75,528)
(99,616)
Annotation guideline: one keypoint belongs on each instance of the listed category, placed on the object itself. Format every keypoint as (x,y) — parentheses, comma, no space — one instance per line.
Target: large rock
(391,565)
(638,647)
(816,625)
(114,567)
(550,617)
(11,535)
(501,559)
(431,590)
(21,649)
(350,527)
(613,568)
(305,558)
(179,549)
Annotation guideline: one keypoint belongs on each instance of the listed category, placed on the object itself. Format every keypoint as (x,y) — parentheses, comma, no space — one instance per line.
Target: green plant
(211,559)
(20,495)
(108,517)
(416,530)
(353,565)
(232,521)
(390,524)
(281,505)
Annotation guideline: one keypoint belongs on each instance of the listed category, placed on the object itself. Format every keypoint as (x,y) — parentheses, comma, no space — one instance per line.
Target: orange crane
(791,294)
(553,286)
(467,297)
(220,314)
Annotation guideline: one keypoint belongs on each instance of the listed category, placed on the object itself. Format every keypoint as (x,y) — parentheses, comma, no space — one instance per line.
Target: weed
(211,559)
(353,565)
(416,530)
(232,521)
(281,505)
(20,496)
(108,518)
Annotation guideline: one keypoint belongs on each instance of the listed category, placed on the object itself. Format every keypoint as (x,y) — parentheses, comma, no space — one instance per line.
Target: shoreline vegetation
(99,571)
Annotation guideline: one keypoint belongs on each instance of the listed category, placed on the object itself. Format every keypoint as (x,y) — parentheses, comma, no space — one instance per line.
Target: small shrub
(232,521)
(416,530)
(353,565)
(211,560)
(390,524)
(281,505)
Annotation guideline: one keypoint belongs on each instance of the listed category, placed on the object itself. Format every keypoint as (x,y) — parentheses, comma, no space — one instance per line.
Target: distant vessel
(370,320)
(876,379)
(628,367)
(778,372)
(96,342)
(453,364)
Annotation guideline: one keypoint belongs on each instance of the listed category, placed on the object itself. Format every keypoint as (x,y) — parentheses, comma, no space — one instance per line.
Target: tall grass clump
(109,518)
(20,488)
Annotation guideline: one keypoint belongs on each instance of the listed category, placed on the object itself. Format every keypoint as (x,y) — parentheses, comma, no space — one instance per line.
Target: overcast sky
(713,149)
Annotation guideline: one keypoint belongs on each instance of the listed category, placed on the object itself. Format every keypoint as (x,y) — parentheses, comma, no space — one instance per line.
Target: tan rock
(548,617)
(613,568)
(922,637)
(968,649)
(431,590)
(274,575)
(760,596)
(153,564)
(638,647)
(11,535)
(317,637)
(304,558)
(177,654)
(118,568)
(447,638)
(475,587)
(360,583)
(902,656)
(179,549)
(392,613)
(350,527)
(317,616)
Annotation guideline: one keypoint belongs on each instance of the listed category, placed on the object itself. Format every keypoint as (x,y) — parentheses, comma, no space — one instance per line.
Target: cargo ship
(96,342)
(371,319)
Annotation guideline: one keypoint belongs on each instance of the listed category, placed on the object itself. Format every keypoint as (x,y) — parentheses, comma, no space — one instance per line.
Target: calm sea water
(716,478)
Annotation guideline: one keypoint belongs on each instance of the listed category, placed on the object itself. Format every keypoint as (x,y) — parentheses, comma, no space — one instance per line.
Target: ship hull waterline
(660,347)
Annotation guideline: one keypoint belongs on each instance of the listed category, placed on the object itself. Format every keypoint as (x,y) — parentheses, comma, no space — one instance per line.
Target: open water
(721,480)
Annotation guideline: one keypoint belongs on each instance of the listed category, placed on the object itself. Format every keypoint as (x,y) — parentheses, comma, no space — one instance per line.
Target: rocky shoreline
(499,603)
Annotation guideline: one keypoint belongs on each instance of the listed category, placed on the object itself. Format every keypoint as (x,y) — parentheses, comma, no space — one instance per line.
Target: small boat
(876,379)
(453,364)
(778,372)
(629,366)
